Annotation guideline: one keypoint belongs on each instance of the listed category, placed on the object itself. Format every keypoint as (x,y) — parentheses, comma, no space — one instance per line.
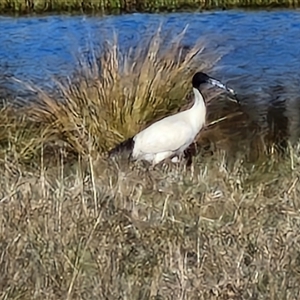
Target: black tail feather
(126,146)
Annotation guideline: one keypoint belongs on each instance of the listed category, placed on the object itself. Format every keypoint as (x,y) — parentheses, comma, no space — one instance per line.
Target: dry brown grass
(101,230)
(92,228)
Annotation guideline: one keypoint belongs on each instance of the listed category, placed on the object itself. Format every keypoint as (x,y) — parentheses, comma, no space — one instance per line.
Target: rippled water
(262,59)
(264,45)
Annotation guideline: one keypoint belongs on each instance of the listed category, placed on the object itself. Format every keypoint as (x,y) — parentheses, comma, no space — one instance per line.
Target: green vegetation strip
(119,6)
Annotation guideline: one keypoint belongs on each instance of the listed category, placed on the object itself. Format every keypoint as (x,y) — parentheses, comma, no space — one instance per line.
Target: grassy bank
(117,6)
(75,225)
(101,232)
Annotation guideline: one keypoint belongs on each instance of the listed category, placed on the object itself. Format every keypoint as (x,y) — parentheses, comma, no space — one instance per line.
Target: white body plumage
(171,135)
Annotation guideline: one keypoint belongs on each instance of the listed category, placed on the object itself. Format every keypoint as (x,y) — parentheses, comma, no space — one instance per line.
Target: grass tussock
(92,228)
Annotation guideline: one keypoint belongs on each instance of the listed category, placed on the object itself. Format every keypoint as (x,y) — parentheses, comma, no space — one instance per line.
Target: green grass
(116,6)
(76,225)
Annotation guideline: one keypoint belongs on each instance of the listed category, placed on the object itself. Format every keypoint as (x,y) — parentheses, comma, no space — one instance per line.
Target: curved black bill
(221,85)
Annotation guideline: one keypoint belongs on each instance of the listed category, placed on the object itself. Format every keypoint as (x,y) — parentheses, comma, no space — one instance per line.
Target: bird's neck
(198,99)
(198,110)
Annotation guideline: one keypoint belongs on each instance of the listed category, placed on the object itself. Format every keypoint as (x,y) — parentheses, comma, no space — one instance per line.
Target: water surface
(260,43)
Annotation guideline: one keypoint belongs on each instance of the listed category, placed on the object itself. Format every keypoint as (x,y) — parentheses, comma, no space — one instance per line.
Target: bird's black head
(200,78)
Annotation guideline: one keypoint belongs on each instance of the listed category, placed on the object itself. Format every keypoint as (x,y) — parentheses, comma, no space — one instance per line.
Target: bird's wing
(168,135)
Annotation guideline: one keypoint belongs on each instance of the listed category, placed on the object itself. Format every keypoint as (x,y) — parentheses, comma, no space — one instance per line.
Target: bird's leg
(189,159)
(189,153)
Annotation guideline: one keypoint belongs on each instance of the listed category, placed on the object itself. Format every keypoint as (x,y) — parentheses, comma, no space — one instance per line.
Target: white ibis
(172,135)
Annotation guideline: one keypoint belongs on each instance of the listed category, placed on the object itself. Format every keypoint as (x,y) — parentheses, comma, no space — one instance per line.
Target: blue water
(261,45)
